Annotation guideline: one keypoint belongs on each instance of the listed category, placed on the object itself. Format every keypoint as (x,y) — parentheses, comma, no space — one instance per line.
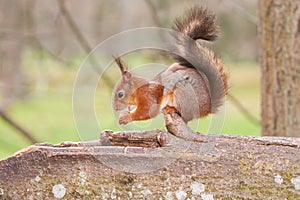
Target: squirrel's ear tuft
(127,76)
(121,65)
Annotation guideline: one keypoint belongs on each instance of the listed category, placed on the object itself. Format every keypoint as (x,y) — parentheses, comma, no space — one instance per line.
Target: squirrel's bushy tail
(198,23)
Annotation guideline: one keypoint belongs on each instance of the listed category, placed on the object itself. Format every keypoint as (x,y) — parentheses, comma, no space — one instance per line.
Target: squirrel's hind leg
(178,127)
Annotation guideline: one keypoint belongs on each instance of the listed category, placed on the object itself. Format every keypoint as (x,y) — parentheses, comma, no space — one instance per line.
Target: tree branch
(82,40)
(243,110)
(18,127)
(154,13)
(229,168)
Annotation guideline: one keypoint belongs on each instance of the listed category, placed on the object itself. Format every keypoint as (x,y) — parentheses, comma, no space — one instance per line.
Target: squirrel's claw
(125,118)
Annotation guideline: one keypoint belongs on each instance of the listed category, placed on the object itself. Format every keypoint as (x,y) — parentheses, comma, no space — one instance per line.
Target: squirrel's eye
(120,94)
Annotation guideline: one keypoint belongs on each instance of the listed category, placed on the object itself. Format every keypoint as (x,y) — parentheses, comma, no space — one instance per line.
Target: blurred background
(44,43)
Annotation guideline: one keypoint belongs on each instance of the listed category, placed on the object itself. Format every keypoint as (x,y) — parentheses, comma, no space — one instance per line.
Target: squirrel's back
(198,23)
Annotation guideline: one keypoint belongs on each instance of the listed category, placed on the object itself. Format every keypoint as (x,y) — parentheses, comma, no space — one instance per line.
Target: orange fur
(147,98)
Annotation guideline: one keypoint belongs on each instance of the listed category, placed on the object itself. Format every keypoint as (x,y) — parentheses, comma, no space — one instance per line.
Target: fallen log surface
(222,167)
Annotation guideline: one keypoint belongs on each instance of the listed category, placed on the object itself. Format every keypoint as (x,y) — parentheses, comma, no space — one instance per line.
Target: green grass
(48,112)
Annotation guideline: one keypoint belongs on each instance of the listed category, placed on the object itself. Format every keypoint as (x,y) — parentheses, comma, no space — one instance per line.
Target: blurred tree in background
(280,61)
(11,47)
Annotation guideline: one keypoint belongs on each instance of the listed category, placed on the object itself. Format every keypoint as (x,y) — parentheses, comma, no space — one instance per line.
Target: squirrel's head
(124,88)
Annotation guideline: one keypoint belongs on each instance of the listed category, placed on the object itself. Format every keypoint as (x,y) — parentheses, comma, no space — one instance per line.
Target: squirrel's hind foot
(178,127)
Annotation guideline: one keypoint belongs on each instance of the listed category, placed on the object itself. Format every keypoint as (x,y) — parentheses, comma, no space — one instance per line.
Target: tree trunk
(279,57)
(11,25)
(223,167)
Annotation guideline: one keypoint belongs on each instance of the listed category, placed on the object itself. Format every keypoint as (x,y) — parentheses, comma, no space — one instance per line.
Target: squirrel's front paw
(124,118)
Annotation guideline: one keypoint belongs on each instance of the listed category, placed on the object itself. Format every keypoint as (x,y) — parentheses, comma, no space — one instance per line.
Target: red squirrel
(193,87)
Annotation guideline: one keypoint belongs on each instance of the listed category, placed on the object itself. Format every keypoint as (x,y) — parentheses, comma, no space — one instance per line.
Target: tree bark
(223,167)
(280,49)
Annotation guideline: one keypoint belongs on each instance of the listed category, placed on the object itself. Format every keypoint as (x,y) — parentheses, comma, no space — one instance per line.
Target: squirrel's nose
(116,107)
